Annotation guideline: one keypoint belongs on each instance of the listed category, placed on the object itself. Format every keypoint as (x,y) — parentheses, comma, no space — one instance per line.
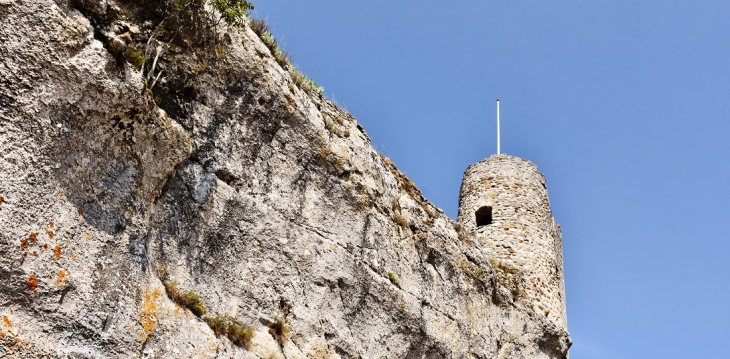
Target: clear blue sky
(624,105)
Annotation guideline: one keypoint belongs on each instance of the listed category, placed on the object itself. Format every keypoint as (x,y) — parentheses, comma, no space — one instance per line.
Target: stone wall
(522,232)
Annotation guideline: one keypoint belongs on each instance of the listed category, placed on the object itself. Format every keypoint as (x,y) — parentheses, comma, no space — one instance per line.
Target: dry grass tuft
(508,277)
(188,299)
(238,333)
(279,330)
(339,161)
(400,220)
(432,211)
(261,28)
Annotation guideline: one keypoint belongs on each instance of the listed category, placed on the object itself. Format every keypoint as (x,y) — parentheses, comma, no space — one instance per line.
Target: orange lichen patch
(50,225)
(57,252)
(88,236)
(73,256)
(61,280)
(2,199)
(49,233)
(35,253)
(33,236)
(7,322)
(24,244)
(148,323)
(81,212)
(32,283)
(147,317)
(45,246)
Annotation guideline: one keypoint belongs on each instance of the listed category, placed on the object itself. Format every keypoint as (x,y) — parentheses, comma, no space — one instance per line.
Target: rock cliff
(224,181)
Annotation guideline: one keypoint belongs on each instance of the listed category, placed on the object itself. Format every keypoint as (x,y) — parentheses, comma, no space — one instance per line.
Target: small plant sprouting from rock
(188,299)
(409,188)
(305,82)
(218,324)
(336,124)
(135,56)
(433,213)
(261,28)
(464,237)
(339,161)
(400,220)
(396,213)
(238,333)
(272,355)
(279,330)
(508,277)
(393,279)
(191,19)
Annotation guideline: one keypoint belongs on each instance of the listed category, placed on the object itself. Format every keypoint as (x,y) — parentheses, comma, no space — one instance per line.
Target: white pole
(498,144)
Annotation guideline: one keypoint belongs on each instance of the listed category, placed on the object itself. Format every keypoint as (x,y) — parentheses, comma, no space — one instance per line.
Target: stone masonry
(508,195)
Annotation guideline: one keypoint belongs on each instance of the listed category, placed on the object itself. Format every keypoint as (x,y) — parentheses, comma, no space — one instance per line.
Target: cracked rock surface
(267,201)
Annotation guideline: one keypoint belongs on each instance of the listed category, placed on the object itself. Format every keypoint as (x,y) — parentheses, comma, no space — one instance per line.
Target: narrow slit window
(484,216)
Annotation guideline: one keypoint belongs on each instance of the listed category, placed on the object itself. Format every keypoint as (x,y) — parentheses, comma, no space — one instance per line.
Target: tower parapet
(504,202)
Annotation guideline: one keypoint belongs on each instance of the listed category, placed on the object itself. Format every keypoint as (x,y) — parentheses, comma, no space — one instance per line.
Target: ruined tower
(504,202)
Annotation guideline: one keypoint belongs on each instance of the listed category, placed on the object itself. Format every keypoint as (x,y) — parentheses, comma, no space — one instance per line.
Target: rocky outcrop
(266,201)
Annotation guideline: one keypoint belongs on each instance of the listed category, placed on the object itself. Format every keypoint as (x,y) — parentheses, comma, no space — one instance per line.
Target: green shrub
(193,15)
(233,12)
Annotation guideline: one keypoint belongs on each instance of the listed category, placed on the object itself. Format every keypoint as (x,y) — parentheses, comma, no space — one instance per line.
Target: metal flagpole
(498,144)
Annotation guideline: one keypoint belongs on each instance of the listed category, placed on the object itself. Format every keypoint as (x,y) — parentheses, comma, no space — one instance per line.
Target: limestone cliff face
(267,201)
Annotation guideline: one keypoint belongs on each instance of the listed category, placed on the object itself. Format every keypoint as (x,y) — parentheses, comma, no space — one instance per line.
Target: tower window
(484,216)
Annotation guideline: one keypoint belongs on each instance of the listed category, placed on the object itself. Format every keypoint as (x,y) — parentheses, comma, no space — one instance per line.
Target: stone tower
(504,202)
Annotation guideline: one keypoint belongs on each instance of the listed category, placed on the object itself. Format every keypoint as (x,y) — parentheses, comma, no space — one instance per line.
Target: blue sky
(624,105)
